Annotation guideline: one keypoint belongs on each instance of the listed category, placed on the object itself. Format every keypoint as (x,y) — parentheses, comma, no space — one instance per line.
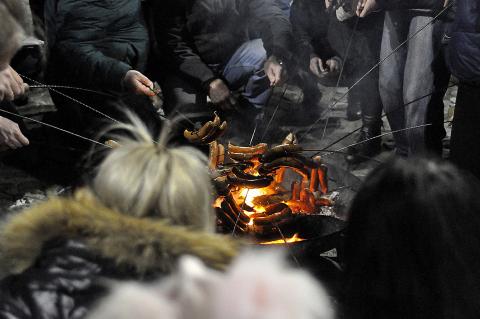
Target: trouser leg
(367,91)
(465,150)
(245,69)
(395,31)
(419,80)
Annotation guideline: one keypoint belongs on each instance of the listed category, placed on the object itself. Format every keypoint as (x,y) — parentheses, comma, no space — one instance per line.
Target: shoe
(366,150)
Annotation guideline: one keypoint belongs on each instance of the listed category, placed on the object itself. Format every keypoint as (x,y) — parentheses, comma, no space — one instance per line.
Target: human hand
(11,84)
(317,67)
(365,7)
(333,65)
(220,95)
(275,71)
(138,83)
(10,134)
(328,3)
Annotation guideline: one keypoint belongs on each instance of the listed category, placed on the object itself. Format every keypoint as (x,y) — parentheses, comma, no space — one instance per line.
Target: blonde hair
(144,178)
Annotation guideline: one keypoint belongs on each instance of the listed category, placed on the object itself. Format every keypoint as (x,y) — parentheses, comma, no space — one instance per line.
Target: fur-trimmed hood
(146,244)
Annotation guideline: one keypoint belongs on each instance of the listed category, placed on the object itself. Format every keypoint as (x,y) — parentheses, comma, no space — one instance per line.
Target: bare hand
(10,135)
(317,67)
(220,95)
(333,65)
(11,84)
(365,7)
(328,3)
(275,71)
(138,83)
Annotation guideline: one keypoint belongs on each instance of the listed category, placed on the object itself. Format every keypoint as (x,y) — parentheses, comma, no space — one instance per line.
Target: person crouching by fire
(147,205)
(101,46)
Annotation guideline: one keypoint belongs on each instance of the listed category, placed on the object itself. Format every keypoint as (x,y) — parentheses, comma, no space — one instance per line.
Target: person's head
(413,243)
(12,32)
(144,178)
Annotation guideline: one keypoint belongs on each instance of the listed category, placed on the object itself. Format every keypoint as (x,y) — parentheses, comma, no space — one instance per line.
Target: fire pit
(276,195)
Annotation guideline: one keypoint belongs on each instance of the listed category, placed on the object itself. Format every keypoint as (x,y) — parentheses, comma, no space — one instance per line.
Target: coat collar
(143,243)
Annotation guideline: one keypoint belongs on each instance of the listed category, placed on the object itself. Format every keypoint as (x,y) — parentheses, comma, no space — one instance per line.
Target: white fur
(259,285)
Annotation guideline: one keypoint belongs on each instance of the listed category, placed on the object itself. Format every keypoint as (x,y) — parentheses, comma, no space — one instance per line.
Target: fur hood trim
(145,243)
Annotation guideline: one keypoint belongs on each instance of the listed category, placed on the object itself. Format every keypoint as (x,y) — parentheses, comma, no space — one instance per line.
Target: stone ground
(19,189)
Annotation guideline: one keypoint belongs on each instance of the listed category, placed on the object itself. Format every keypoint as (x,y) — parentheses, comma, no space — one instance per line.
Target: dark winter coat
(93,43)
(310,23)
(464,45)
(198,33)
(57,257)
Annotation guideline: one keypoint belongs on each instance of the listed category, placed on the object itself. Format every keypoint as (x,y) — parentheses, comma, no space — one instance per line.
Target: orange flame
(293,239)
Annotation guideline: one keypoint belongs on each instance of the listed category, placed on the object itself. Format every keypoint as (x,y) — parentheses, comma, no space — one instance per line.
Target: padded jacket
(196,33)
(57,258)
(310,23)
(94,43)
(464,45)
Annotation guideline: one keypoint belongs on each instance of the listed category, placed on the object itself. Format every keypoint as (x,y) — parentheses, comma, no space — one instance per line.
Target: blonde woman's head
(144,178)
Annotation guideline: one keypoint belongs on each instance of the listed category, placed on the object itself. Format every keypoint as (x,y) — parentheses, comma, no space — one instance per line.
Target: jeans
(415,70)
(243,73)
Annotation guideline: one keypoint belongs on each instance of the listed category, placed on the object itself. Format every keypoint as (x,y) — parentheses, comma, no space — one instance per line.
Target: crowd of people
(138,240)
(229,55)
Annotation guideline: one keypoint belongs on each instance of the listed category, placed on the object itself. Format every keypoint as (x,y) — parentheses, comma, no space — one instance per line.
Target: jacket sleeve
(303,34)
(177,45)
(78,26)
(275,30)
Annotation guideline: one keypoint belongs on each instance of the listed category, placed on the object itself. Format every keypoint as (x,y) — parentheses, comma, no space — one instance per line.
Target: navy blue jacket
(464,48)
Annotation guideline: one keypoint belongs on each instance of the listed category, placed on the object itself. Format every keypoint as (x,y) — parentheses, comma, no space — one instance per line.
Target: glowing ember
(248,195)
(293,239)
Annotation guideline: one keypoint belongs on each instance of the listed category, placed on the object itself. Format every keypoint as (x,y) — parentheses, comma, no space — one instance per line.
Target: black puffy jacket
(195,33)
(464,46)
(310,23)
(94,43)
(57,258)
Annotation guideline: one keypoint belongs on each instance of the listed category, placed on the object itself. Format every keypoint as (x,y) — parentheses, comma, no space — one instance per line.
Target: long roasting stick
(384,115)
(347,53)
(72,99)
(332,107)
(55,127)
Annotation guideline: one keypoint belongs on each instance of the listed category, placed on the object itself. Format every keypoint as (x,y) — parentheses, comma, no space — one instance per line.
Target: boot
(354,108)
(364,151)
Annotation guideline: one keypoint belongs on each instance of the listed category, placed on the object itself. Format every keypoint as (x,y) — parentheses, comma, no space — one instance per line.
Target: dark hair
(413,244)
